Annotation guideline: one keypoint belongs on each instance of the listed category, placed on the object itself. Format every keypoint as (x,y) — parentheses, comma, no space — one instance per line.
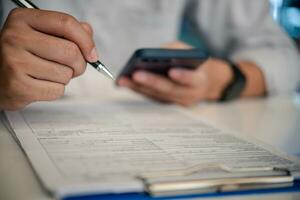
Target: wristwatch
(234,89)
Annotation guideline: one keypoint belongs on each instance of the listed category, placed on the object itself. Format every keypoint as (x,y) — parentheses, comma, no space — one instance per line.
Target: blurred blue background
(287,14)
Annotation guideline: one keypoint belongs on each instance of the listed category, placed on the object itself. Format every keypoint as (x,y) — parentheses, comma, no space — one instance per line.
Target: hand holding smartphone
(160,61)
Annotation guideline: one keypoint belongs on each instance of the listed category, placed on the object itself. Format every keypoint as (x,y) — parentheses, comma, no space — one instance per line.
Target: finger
(159,84)
(46,70)
(61,25)
(192,78)
(124,82)
(41,90)
(23,87)
(186,96)
(162,88)
(87,27)
(57,50)
(188,99)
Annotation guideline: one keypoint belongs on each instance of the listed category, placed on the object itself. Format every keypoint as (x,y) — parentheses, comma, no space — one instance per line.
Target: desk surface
(275,121)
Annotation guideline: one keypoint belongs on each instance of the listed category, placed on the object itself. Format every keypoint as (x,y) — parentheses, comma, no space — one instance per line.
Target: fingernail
(94,55)
(141,77)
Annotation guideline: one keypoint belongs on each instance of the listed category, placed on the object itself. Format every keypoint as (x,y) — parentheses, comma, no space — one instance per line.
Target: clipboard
(174,183)
(171,184)
(145,196)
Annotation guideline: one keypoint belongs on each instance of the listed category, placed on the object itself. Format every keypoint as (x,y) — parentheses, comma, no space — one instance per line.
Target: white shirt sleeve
(245,30)
(257,38)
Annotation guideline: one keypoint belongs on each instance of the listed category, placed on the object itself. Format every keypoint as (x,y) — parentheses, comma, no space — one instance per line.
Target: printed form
(84,147)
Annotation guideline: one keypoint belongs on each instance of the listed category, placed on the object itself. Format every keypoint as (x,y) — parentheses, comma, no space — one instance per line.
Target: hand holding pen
(40,52)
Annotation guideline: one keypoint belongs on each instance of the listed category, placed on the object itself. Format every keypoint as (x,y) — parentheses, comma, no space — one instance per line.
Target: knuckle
(80,69)
(13,65)
(11,37)
(75,59)
(63,74)
(16,13)
(67,22)
(67,76)
(72,51)
(88,28)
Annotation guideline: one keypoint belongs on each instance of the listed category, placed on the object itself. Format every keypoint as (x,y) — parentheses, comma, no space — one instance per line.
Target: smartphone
(160,61)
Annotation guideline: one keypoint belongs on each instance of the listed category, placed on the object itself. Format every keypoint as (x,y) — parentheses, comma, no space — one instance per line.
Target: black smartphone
(160,61)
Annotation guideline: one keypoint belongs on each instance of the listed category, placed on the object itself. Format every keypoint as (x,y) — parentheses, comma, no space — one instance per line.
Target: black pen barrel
(25,4)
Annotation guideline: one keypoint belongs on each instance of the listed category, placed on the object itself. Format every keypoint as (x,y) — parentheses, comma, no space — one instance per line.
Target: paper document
(85,147)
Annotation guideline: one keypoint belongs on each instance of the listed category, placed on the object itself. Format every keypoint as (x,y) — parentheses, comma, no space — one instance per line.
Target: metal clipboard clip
(182,182)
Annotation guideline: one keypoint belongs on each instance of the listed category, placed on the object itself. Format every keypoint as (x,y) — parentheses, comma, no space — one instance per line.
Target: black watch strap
(236,86)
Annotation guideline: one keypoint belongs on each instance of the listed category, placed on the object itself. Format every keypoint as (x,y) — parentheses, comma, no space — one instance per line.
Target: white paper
(83,147)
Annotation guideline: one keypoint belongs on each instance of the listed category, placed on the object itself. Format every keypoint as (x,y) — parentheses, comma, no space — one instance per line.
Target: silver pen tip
(103,69)
(107,72)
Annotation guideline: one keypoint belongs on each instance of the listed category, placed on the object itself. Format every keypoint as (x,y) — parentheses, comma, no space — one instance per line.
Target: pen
(99,66)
